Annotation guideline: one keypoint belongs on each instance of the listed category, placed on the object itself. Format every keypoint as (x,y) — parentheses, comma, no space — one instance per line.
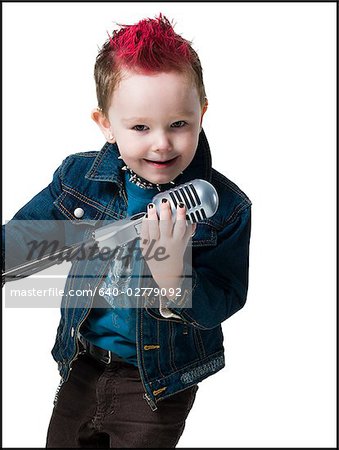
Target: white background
(269,71)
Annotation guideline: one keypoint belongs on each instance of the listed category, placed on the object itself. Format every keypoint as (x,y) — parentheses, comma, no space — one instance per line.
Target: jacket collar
(107,166)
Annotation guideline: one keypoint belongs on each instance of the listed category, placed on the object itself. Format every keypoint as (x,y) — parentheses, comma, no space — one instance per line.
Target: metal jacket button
(79,212)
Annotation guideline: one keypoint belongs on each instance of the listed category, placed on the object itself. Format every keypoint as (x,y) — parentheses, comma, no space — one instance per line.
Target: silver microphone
(199,197)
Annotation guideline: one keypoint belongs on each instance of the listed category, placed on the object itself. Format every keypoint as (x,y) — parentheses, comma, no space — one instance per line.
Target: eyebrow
(145,119)
(135,119)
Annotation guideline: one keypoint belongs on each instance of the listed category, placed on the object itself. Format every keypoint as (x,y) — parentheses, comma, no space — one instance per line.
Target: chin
(162,179)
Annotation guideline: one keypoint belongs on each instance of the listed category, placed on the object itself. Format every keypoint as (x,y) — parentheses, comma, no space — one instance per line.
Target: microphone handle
(57,257)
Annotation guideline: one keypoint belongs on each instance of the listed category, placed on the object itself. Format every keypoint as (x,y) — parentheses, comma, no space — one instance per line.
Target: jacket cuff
(183,301)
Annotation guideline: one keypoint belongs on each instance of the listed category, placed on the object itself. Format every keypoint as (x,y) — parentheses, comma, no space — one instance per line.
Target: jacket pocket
(78,208)
(205,235)
(184,346)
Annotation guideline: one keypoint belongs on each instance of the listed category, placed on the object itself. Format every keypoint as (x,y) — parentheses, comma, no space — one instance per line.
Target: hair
(149,47)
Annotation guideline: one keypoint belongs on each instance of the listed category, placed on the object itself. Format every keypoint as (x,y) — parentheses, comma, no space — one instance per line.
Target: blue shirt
(113,327)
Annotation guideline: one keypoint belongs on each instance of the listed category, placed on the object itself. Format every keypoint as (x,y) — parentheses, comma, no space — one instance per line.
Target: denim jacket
(173,352)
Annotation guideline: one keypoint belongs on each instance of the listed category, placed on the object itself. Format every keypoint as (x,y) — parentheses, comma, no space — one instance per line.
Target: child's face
(155,118)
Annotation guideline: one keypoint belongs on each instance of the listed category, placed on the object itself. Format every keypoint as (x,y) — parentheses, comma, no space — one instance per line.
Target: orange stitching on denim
(158,391)
(151,347)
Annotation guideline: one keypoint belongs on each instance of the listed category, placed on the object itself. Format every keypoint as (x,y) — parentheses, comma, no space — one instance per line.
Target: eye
(179,124)
(138,128)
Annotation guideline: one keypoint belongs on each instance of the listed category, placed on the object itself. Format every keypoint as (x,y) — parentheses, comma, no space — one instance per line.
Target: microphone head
(199,196)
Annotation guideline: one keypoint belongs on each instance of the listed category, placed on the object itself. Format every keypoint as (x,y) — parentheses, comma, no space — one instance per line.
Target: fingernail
(164,200)
(181,205)
(150,205)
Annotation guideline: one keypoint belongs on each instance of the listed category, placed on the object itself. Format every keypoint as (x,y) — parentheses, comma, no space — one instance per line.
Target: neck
(145,184)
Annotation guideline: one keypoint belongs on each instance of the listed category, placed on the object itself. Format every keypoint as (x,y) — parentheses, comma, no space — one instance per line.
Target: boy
(129,375)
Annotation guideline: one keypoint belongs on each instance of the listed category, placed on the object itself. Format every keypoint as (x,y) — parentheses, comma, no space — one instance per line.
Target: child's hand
(167,267)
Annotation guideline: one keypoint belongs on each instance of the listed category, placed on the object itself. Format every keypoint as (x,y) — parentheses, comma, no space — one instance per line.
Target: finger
(190,230)
(144,232)
(144,235)
(166,223)
(180,225)
(153,222)
(190,227)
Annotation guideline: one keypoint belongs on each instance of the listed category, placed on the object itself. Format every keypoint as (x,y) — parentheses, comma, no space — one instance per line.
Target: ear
(204,109)
(103,123)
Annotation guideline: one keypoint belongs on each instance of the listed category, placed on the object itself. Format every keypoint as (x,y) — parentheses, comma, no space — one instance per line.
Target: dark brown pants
(103,407)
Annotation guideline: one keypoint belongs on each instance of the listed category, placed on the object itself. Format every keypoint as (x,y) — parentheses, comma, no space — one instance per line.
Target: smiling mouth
(161,162)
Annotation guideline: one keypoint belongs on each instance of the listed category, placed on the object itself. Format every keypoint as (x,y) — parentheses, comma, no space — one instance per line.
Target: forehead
(171,90)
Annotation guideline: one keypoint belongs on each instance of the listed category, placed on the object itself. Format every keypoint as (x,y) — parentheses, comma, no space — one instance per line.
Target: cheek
(132,150)
(188,146)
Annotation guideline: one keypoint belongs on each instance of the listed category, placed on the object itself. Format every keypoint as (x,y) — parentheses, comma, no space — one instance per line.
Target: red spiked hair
(149,46)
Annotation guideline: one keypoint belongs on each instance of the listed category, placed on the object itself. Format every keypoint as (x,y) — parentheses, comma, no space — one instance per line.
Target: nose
(162,143)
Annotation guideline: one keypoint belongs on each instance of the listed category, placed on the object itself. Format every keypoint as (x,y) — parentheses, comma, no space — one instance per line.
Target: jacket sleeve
(219,277)
(38,219)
